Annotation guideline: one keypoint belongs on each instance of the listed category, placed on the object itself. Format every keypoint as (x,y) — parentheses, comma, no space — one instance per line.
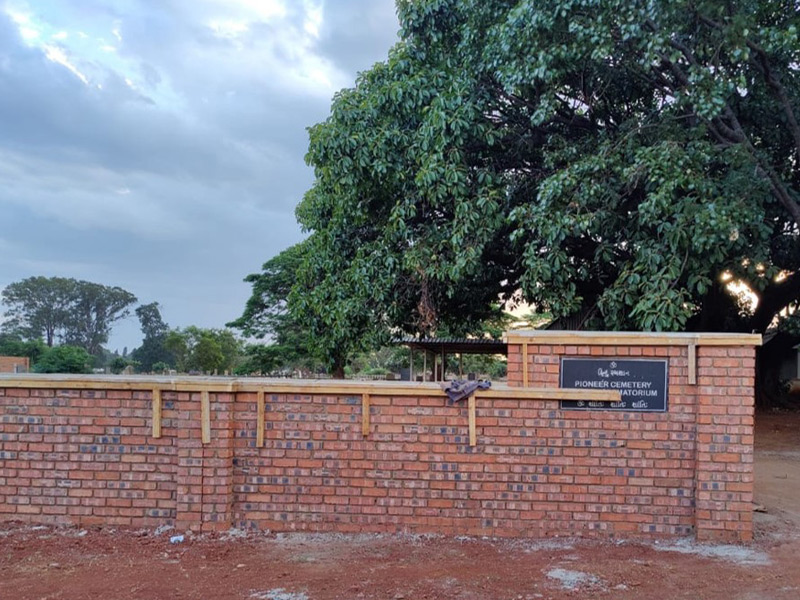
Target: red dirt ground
(53,563)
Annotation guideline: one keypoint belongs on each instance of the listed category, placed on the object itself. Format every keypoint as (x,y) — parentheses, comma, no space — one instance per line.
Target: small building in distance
(14,364)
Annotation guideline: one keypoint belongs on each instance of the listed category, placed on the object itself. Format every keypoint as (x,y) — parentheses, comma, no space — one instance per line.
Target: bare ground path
(49,563)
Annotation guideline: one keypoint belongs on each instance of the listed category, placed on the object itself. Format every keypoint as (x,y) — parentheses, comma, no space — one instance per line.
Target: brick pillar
(514,364)
(205,471)
(725,406)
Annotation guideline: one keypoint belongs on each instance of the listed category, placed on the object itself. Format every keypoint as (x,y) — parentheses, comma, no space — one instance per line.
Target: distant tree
(155,330)
(64,359)
(152,324)
(118,364)
(207,354)
(261,359)
(39,307)
(79,313)
(95,309)
(177,343)
(160,367)
(199,349)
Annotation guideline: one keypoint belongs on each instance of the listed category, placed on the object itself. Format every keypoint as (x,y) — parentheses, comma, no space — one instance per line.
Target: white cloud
(228,28)
(57,55)
(313,19)
(260,10)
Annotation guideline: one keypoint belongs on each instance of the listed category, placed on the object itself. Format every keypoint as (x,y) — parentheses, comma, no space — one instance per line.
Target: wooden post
(444,364)
(260,424)
(693,363)
(524,364)
(473,435)
(461,365)
(205,416)
(156,413)
(365,414)
(425,366)
(411,364)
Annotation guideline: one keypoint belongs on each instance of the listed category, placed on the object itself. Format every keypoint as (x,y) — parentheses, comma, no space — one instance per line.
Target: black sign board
(641,383)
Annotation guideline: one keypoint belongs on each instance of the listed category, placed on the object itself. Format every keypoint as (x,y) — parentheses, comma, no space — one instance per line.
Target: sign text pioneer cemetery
(642,384)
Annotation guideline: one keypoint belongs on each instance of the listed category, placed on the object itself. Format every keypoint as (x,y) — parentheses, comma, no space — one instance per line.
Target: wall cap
(287,386)
(630,338)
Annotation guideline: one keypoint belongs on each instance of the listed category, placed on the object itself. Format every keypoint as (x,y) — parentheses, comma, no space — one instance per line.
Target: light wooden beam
(365,414)
(260,424)
(525,364)
(323,387)
(205,416)
(692,364)
(473,434)
(156,413)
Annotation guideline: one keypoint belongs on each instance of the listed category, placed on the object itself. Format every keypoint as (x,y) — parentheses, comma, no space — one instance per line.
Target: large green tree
(38,307)
(79,313)
(619,160)
(92,313)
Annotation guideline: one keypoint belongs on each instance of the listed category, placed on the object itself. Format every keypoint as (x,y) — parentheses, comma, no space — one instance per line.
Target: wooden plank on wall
(156,413)
(299,387)
(205,416)
(692,364)
(473,435)
(524,364)
(260,425)
(365,414)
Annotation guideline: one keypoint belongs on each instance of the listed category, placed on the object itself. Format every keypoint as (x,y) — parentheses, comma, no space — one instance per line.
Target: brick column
(514,364)
(205,471)
(725,406)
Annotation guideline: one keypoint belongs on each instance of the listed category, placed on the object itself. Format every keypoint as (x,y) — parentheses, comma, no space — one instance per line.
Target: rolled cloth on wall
(459,389)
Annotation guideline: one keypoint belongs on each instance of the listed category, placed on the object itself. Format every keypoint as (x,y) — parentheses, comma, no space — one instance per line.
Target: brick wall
(12,364)
(691,468)
(88,456)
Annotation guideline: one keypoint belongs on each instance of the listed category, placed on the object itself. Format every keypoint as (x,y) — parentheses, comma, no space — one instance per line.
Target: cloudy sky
(158,145)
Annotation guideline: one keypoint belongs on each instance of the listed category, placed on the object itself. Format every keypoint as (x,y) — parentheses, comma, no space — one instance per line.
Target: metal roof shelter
(441,347)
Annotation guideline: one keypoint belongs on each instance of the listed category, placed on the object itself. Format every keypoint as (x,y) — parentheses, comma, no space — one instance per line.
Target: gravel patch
(741,555)
(278,594)
(572,580)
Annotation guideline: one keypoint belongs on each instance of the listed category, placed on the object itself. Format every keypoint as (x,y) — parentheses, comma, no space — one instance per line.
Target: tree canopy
(619,160)
(79,313)
(616,163)
(64,359)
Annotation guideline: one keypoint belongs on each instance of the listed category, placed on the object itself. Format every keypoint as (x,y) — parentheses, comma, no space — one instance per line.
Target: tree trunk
(337,369)
(770,393)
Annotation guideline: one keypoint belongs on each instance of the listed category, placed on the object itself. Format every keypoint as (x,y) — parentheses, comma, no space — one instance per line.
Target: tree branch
(772,82)
(774,299)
